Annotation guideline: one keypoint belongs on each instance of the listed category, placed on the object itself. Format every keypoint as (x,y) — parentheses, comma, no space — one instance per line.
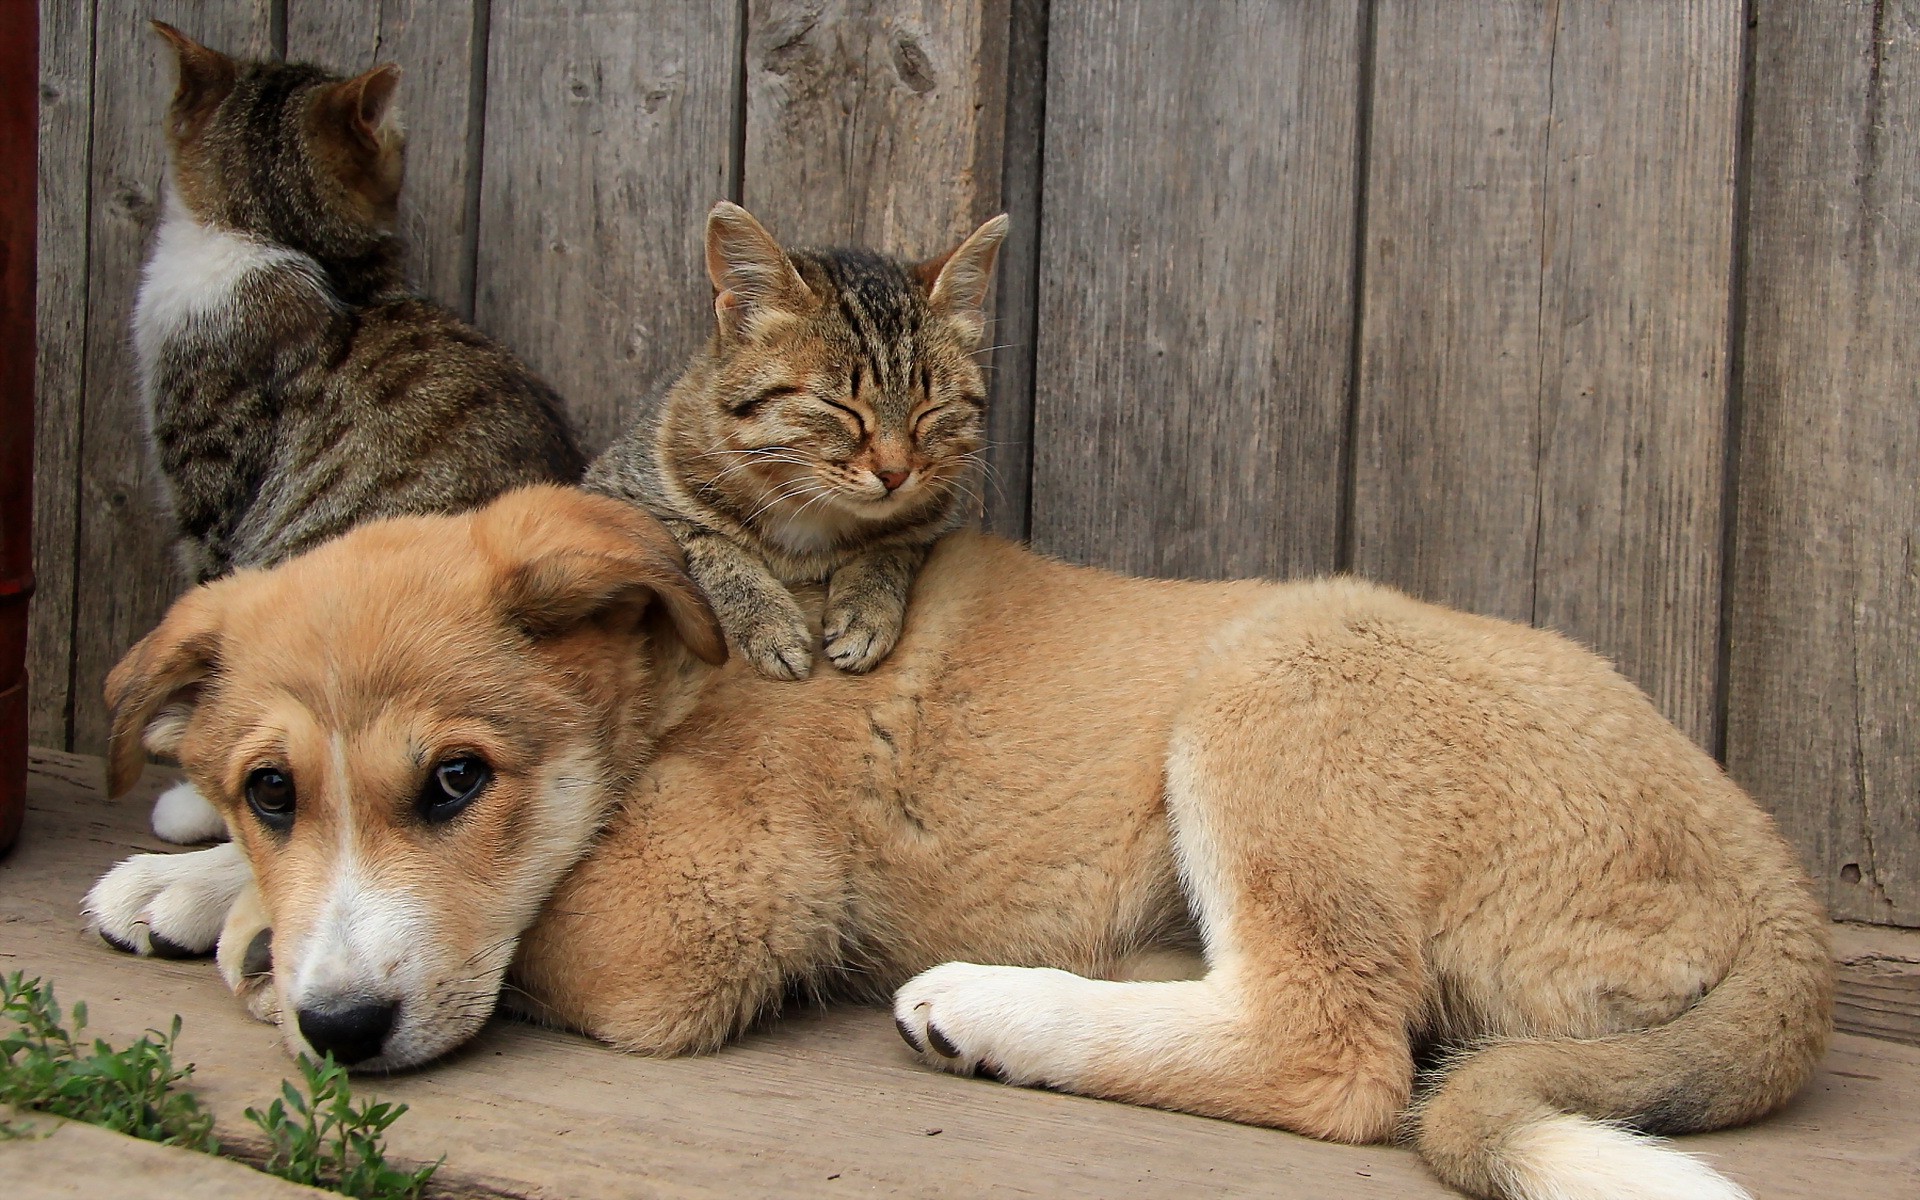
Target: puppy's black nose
(349,1029)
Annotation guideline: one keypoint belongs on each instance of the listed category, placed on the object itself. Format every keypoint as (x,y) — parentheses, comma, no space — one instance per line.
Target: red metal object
(19,130)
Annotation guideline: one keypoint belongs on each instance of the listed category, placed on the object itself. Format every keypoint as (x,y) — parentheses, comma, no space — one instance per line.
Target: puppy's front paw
(859,636)
(779,649)
(168,905)
(972,1019)
(245,957)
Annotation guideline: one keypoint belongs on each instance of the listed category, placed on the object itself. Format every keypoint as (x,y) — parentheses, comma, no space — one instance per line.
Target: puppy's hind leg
(1302,1018)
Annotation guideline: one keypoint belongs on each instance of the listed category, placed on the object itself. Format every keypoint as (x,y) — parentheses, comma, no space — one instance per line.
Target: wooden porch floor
(821,1104)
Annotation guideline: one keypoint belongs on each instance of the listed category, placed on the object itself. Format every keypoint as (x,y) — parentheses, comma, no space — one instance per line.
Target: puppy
(1394,830)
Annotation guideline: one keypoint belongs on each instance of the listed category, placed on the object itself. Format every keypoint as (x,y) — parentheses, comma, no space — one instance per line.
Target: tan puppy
(1393,828)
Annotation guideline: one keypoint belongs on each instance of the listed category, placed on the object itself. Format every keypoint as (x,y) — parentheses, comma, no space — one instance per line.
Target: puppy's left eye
(451,786)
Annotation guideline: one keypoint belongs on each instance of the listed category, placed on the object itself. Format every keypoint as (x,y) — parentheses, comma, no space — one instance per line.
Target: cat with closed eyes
(294,385)
(826,434)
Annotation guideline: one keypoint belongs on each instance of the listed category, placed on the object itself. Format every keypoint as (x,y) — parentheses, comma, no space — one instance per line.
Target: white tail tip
(1572,1158)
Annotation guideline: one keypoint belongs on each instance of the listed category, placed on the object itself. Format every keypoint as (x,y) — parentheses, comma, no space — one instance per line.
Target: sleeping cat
(827,433)
(294,386)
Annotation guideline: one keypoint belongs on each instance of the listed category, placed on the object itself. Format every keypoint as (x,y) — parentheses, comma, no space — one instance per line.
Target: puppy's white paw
(184,817)
(972,1019)
(168,905)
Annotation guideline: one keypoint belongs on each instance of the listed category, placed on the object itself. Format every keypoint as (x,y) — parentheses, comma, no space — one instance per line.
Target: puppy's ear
(754,282)
(206,76)
(151,692)
(956,282)
(578,556)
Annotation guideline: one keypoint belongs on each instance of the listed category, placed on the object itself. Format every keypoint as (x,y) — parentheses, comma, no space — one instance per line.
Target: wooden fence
(1597,315)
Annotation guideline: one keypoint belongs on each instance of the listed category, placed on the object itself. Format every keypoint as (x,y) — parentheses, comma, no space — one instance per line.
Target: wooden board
(66,107)
(1015,330)
(440,105)
(1195,307)
(68,1159)
(1635,320)
(127,576)
(1446,414)
(1542,402)
(591,211)
(1879,981)
(818,1104)
(1823,697)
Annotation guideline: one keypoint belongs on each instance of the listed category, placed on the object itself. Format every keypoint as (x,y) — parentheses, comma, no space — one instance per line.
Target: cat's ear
(206,76)
(365,109)
(956,282)
(754,281)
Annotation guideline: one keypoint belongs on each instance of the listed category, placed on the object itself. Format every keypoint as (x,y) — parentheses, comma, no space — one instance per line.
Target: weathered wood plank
(1015,329)
(1195,307)
(1823,698)
(1541,409)
(1636,319)
(611,136)
(66,107)
(71,1160)
(1879,992)
(1446,420)
(126,575)
(819,1103)
(433,41)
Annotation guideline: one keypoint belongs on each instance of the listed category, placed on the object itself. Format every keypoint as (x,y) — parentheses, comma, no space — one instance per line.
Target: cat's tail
(1563,1119)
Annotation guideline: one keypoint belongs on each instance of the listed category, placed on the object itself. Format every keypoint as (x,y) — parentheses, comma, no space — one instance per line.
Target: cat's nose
(891,480)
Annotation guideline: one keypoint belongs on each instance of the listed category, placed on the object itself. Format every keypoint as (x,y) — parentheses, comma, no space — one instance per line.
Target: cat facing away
(294,384)
(828,432)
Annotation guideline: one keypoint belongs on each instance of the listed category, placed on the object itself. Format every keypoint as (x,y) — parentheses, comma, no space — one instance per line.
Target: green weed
(323,1138)
(318,1137)
(132,1090)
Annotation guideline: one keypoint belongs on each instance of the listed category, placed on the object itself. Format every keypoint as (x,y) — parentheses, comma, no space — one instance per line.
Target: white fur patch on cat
(193,274)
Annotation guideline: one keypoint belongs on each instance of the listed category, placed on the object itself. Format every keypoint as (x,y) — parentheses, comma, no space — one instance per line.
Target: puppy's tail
(1566,1119)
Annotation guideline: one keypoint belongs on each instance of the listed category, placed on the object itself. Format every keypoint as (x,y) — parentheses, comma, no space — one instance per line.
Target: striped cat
(294,384)
(825,434)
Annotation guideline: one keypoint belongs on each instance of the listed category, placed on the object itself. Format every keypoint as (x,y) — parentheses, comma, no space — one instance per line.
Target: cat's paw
(859,636)
(168,905)
(779,649)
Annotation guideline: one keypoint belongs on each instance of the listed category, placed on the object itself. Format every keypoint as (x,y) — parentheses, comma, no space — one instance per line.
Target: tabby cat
(294,385)
(827,433)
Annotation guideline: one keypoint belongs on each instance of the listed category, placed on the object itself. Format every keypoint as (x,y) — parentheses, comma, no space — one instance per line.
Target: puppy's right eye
(270,796)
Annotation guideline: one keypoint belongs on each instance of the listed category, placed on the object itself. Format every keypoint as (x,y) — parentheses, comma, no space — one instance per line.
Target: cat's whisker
(795,515)
(784,494)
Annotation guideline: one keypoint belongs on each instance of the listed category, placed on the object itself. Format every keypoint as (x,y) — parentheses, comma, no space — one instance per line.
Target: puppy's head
(414,731)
